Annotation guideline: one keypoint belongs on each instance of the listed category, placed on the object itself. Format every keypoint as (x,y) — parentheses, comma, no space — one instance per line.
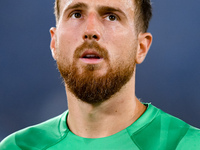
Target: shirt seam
(16,143)
(49,146)
(181,138)
(140,130)
(62,137)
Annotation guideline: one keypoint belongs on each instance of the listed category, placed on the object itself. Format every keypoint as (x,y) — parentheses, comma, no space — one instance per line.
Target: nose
(92,28)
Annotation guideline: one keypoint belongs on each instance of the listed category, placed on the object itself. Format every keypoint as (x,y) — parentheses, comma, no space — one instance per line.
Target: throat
(96,124)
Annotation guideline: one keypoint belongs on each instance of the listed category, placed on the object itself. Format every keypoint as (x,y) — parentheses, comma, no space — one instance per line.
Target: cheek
(64,48)
(121,45)
(67,43)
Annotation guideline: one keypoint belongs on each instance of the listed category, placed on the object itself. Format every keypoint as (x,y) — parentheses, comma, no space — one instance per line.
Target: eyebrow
(76,6)
(103,9)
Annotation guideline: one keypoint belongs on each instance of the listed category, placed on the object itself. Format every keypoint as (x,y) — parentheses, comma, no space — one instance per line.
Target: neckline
(143,120)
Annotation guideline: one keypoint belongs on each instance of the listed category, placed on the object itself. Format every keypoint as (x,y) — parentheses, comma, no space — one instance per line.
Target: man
(97,44)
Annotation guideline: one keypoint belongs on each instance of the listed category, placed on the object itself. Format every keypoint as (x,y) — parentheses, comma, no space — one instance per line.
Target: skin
(118,35)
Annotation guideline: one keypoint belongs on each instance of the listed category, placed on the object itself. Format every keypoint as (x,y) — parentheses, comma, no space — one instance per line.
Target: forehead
(124,5)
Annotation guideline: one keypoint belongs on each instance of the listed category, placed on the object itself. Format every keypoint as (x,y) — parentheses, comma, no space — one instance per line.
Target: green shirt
(154,130)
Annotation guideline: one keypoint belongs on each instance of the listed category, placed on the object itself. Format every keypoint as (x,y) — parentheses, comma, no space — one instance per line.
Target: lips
(91,57)
(89,54)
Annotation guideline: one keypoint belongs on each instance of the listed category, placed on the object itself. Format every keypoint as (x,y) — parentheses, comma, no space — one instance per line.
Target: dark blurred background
(31,89)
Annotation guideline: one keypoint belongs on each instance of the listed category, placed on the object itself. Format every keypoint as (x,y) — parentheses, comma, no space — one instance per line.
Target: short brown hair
(143,14)
(57,10)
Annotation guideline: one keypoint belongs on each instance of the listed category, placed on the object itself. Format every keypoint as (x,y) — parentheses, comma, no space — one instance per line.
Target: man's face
(95,47)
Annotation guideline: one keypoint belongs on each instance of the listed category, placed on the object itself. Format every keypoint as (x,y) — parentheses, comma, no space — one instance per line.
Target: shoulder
(38,136)
(9,143)
(191,140)
(179,133)
(161,130)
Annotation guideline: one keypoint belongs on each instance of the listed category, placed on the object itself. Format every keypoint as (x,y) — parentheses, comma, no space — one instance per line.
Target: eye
(112,17)
(76,15)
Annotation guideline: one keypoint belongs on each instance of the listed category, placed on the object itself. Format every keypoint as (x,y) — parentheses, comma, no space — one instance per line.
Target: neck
(96,121)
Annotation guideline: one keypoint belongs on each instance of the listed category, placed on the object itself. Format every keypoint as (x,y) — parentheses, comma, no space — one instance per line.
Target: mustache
(94,46)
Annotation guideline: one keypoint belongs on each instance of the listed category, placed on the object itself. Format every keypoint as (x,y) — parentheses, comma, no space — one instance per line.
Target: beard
(86,84)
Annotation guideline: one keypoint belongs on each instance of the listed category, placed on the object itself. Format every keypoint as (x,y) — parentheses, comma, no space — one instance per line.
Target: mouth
(91,57)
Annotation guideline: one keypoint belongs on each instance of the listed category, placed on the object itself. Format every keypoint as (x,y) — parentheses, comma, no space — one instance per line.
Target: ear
(144,42)
(53,42)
